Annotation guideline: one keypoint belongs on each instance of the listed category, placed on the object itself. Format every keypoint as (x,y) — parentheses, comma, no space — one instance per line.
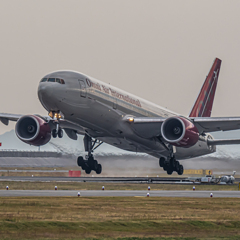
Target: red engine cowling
(179,132)
(33,130)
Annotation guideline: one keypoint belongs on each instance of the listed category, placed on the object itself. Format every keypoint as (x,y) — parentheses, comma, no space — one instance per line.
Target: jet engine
(179,132)
(33,130)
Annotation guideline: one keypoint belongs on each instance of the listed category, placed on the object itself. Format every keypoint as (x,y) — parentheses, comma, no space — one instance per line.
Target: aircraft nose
(45,95)
(44,90)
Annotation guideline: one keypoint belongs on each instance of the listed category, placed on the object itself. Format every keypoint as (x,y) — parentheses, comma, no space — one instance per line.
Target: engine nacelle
(33,130)
(179,132)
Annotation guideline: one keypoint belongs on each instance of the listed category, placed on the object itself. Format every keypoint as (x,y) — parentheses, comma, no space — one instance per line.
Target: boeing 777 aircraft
(79,104)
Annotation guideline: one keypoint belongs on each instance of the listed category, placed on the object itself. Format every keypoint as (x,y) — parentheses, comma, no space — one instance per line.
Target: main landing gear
(89,163)
(170,165)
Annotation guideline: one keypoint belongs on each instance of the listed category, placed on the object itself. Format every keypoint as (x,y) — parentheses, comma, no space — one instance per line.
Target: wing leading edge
(151,126)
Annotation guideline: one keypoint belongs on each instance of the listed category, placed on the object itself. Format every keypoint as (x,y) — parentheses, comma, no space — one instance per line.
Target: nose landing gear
(89,163)
(57,132)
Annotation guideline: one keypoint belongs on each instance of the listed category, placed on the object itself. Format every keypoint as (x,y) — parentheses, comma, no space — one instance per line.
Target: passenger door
(83,92)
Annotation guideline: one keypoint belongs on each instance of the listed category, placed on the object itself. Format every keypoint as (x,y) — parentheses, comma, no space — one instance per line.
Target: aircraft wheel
(161,161)
(95,165)
(88,170)
(54,133)
(165,167)
(80,161)
(177,165)
(169,171)
(99,169)
(84,166)
(180,171)
(60,133)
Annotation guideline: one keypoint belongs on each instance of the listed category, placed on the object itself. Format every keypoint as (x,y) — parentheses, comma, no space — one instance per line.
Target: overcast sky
(158,50)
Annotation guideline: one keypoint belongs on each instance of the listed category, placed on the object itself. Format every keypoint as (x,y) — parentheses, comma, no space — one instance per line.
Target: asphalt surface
(180,180)
(90,179)
(113,193)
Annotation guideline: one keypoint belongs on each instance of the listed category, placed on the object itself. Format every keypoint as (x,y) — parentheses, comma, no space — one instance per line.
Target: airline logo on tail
(204,102)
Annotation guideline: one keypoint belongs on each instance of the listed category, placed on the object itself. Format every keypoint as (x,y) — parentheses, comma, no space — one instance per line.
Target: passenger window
(62,81)
(44,80)
(51,80)
(58,80)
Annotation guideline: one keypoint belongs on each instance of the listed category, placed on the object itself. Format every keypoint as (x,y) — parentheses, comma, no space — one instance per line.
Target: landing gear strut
(89,163)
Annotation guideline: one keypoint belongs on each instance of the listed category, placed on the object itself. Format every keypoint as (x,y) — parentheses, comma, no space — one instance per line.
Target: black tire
(88,170)
(80,161)
(177,165)
(99,169)
(84,166)
(180,171)
(169,171)
(60,133)
(165,167)
(94,165)
(161,161)
(54,133)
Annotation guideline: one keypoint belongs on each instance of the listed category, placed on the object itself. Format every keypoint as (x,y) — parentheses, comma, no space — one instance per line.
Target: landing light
(131,119)
(54,115)
(50,114)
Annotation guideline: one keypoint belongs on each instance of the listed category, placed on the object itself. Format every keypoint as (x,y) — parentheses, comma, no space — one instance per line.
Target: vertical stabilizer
(203,105)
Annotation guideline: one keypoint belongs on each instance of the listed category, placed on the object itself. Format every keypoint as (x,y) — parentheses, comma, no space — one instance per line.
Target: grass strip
(114,229)
(78,186)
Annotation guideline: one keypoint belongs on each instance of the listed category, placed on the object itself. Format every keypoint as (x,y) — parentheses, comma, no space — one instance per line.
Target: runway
(171,180)
(93,179)
(117,193)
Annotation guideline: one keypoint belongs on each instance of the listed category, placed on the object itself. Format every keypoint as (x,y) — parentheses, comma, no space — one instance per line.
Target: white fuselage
(98,109)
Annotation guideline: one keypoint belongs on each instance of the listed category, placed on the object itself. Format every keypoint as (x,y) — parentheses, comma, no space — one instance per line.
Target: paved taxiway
(116,193)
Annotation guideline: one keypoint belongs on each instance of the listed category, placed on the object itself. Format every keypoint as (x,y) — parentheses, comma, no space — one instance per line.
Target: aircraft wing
(6,117)
(151,127)
(70,128)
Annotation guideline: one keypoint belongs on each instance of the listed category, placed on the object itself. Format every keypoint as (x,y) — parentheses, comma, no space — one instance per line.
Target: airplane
(80,104)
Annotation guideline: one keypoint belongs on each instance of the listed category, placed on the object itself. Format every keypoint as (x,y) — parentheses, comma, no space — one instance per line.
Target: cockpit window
(51,80)
(58,80)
